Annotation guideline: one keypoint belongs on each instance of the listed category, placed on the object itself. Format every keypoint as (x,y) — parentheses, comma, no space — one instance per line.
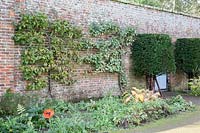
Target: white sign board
(162,81)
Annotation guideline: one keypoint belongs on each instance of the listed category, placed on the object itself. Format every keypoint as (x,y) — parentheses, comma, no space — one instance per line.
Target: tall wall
(7,51)
(82,13)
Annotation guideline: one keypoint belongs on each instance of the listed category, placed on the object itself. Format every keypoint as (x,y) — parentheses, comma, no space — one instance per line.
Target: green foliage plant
(194,85)
(153,54)
(49,49)
(103,28)
(10,101)
(103,114)
(177,104)
(187,55)
(110,44)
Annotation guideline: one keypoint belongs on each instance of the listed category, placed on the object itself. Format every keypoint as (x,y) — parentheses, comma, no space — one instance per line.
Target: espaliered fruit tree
(50,48)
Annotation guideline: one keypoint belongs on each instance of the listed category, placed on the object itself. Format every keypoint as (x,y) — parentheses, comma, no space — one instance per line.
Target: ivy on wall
(51,48)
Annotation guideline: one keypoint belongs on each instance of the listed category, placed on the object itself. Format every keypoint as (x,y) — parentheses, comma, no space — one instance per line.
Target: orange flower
(48,113)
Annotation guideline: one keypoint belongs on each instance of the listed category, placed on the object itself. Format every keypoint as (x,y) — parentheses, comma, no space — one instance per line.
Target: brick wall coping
(158,9)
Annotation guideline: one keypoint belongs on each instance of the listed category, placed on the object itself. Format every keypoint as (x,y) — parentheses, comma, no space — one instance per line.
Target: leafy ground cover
(165,124)
(105,114)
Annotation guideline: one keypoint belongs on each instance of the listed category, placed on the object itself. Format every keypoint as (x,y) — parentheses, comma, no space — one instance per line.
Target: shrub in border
(153,54)
(187,55)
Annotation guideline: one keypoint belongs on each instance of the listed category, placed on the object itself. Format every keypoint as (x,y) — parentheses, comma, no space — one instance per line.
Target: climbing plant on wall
(49,49)
(110,44)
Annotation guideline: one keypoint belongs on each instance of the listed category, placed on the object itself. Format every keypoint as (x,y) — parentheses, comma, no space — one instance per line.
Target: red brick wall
(7,50)
(83,12)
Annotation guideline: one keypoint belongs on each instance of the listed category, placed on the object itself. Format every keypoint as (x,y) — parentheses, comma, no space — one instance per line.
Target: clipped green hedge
(187,55)
(153,54)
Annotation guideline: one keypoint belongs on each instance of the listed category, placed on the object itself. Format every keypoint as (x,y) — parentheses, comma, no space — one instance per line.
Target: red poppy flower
(48,113)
